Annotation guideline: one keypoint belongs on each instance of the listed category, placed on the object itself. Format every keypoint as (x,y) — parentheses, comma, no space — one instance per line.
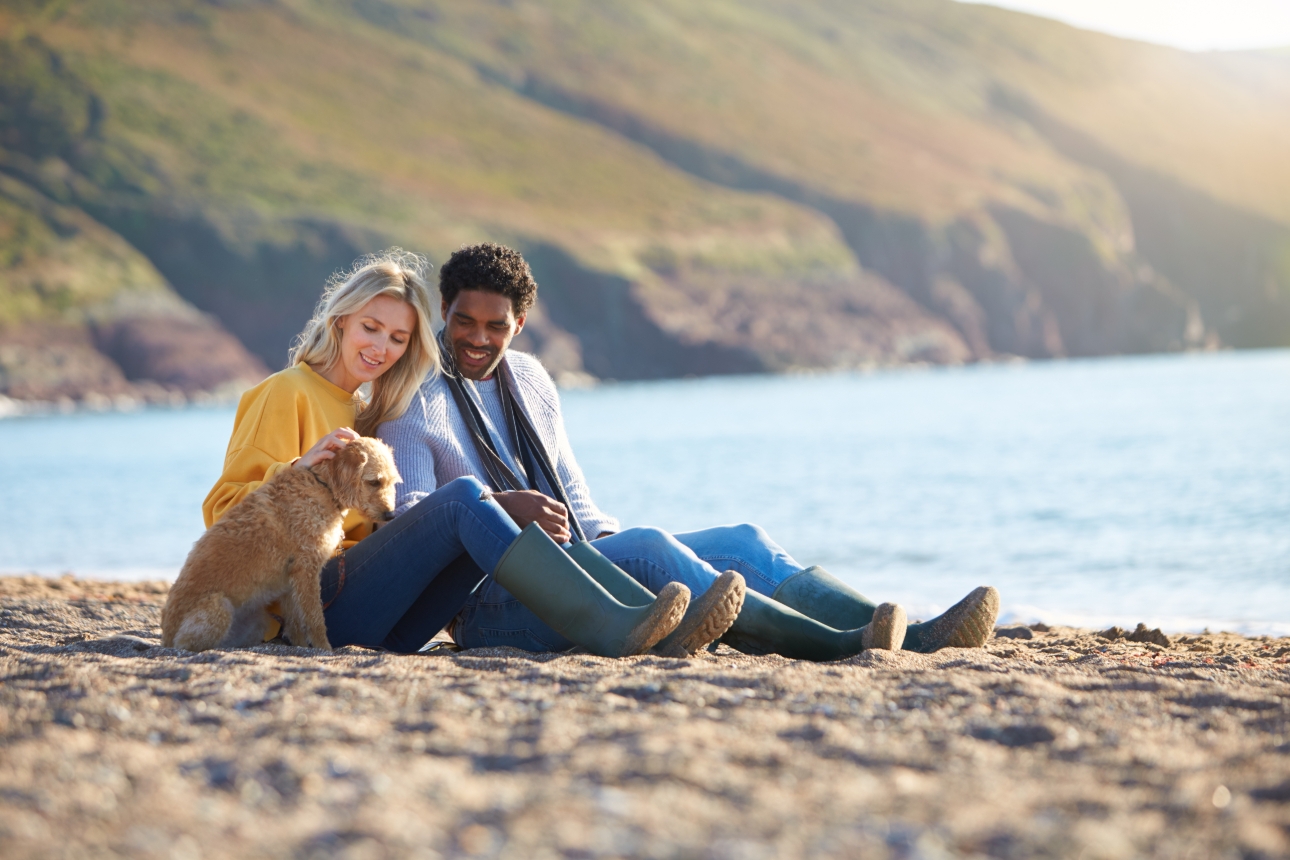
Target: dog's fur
(271,546)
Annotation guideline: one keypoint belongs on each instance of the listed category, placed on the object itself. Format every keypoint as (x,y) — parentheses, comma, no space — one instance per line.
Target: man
(495,414)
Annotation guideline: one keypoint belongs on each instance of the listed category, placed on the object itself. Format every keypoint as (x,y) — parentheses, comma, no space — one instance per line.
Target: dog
(270,547)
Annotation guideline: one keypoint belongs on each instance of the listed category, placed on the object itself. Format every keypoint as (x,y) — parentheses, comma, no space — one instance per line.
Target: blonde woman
(398,585)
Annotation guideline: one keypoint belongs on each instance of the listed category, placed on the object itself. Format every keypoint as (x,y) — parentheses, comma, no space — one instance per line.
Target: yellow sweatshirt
(278,421)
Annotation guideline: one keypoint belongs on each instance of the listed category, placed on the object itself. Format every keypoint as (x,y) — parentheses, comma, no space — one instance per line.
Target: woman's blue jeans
(408,579)
(653,558)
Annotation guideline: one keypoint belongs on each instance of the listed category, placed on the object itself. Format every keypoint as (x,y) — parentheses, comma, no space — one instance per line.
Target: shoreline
(1061,744)
(103,404)
(1024,615)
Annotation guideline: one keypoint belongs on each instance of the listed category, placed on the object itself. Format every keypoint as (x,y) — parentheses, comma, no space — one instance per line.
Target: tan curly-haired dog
(271,546)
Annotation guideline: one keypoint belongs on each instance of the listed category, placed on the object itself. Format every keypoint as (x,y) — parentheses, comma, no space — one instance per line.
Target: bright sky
(1196,25)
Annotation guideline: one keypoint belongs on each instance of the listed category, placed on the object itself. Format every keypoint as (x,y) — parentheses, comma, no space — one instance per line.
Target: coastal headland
(715,188)
(1046,743)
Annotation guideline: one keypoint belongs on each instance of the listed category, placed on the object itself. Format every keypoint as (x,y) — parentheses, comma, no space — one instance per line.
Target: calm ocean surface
(1091,492)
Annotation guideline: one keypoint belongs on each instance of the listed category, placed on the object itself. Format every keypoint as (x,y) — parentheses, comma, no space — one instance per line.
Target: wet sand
(1065,744)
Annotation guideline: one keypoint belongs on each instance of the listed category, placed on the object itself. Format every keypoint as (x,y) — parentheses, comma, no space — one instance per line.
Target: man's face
(480,327)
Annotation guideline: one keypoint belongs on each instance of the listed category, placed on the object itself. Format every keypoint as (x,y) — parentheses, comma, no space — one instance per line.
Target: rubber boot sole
(665,614)
(710,617)
(967,624)
(887,629)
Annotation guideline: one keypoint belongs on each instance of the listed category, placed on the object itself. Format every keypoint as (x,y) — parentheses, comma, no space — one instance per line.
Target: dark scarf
(523,438)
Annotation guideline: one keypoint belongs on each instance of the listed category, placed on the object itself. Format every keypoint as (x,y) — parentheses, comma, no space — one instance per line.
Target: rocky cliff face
(1234,264)
(733,187)
(679,322)
(150,359)
(1006,280)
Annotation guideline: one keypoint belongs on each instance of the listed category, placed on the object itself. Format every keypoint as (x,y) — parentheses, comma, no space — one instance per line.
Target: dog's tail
(203,626)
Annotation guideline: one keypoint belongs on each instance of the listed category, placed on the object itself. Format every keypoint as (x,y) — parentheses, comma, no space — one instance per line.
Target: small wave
(1022,614)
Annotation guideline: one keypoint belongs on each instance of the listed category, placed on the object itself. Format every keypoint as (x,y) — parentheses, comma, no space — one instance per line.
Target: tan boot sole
(666,613)
(887,629)
(968,623)
(708,619)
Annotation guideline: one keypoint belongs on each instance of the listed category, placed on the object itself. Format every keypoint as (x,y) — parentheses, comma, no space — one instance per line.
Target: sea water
(1089,492)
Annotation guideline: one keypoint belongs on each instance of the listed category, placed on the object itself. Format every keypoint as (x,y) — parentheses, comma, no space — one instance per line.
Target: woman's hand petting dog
(326,447)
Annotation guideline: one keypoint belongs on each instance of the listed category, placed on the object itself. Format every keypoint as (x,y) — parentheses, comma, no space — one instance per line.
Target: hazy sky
(1196,25)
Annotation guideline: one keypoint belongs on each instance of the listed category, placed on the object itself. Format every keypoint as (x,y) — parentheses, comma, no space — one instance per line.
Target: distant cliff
(84,316)
(701,188)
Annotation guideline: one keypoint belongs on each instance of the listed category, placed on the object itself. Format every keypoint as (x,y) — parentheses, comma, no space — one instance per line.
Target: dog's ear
(347,468)
(383,454)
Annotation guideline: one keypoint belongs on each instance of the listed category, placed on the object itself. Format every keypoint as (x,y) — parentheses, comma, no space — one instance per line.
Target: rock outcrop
(164,359)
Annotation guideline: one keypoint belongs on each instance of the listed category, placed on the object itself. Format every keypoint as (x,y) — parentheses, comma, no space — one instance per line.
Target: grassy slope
(799,90)
(58,262)
(404,139)
(891,100)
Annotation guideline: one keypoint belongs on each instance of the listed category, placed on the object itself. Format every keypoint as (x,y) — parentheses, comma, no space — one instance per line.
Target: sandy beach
(1046,743)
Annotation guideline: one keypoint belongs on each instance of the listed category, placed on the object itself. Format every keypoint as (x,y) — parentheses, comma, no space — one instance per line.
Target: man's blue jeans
(653,558)
(402,584)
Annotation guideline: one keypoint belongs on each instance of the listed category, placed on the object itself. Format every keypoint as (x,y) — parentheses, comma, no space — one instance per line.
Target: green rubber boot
(967,624)
(557,590)
(766,626)
(708,616)
(818,594)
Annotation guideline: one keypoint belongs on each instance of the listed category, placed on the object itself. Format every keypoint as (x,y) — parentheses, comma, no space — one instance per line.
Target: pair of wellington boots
(810,616)
(814,616)
(762,625)
(590,601)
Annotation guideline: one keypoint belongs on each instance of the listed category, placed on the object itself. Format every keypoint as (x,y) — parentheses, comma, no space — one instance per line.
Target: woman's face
(372,339)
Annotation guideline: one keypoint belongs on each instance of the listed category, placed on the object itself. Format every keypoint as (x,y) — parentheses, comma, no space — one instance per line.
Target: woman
(398,585)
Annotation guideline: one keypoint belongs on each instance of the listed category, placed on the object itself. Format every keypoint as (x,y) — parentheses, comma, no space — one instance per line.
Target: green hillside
(714,187)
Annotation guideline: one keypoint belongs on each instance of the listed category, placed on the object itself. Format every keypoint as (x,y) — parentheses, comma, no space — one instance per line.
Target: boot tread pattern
(665,614)
(970,622)
(714,612)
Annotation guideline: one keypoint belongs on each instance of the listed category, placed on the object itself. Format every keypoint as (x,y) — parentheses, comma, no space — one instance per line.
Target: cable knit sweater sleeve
(411,438)
(542,401)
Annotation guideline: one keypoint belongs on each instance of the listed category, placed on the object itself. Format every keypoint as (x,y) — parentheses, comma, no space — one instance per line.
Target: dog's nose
(389,515)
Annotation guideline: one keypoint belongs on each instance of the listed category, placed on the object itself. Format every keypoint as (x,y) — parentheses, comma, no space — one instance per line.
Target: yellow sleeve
(266,439)
(251,465)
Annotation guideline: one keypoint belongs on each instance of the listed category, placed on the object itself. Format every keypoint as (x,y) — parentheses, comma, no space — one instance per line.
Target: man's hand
(530,506)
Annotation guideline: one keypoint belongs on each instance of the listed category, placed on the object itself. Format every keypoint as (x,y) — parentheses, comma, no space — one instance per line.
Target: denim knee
(467,489)
(749,533)
(652,538)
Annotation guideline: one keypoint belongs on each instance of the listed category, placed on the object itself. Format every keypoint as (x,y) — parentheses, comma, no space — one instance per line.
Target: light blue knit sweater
(432,444)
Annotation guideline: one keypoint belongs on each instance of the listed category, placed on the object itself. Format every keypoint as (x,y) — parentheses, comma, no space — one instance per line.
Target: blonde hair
(395,273)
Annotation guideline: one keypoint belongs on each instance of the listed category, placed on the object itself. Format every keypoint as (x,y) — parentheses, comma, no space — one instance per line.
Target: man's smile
(473,357)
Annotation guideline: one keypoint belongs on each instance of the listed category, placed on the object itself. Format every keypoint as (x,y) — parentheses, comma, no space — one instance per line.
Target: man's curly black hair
(490,267)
